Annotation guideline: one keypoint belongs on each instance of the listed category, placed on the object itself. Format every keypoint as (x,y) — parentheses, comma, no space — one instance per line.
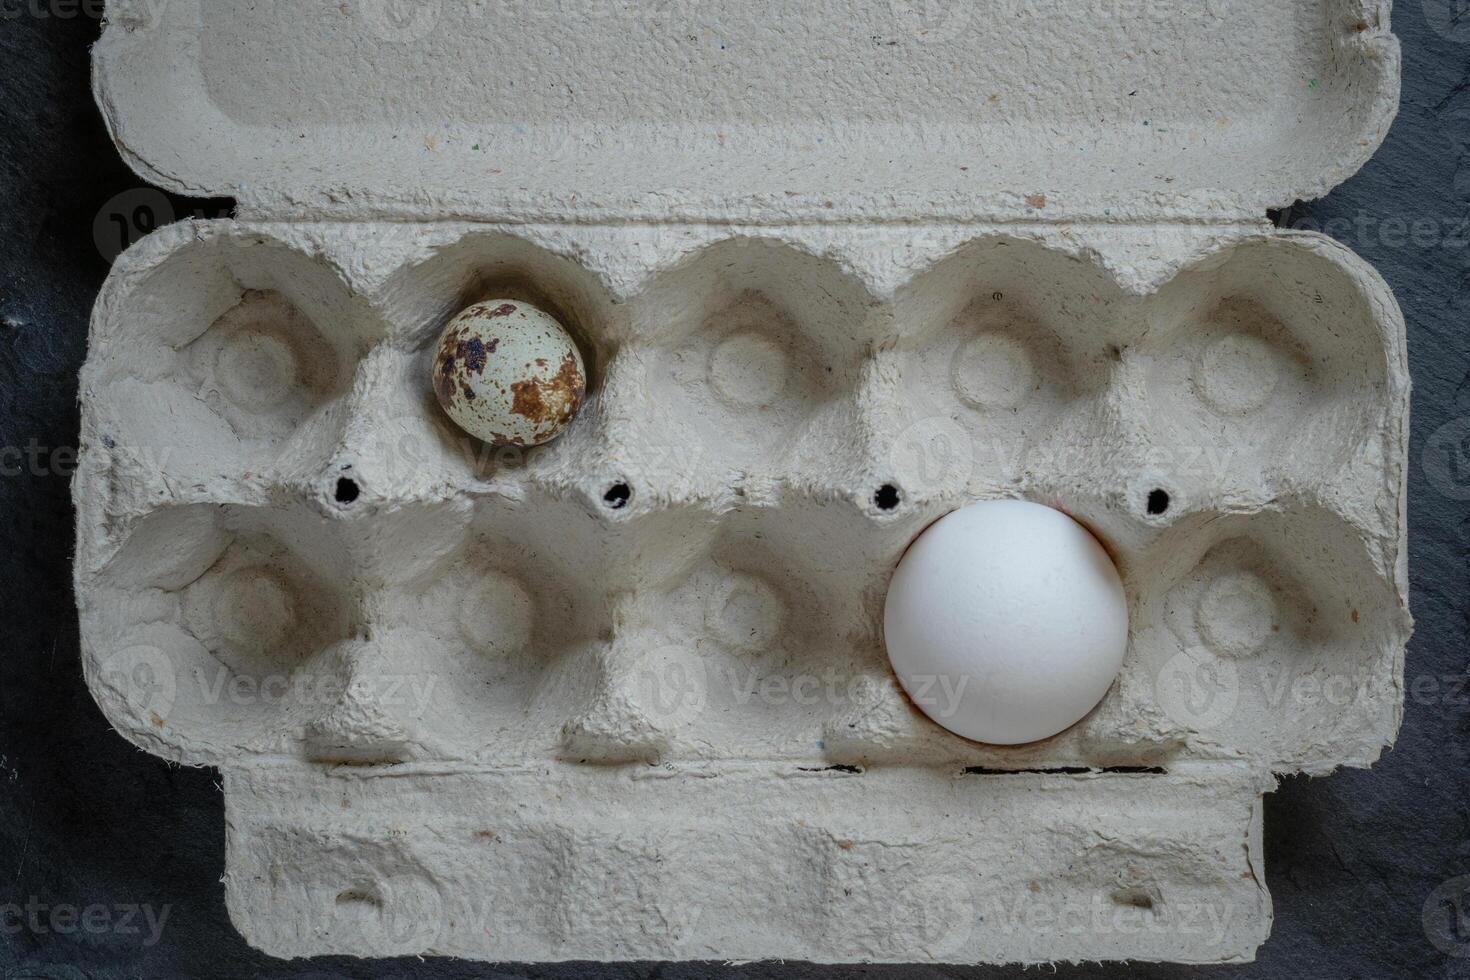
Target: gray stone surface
(1356,863)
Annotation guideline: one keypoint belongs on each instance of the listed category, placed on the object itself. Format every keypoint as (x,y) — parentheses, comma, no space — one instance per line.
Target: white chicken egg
(509,373)
(1006,622)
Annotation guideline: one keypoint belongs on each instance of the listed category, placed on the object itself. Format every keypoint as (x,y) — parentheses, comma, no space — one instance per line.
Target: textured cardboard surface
(856,109)
(226,583)
(853,110)
(750,863)
(1387,822)
(282,558)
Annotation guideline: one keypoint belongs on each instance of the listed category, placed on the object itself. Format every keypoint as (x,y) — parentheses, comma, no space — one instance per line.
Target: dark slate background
(1362,865)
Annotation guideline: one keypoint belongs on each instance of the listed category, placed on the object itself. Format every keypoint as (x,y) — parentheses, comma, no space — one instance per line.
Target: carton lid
(757,111)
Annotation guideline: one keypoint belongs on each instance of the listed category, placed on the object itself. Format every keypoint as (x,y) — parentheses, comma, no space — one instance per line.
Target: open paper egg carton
(625,696)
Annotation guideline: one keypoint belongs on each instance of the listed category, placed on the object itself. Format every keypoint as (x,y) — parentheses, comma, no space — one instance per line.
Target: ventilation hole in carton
(888,497)
(347,491)
(358,896)
(849,770)
(617,496)
(1158,503)
(1135,898)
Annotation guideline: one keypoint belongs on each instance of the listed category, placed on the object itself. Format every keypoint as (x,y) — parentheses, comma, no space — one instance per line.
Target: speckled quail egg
(509,373)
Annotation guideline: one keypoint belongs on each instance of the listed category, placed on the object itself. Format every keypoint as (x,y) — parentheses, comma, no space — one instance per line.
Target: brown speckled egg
(509,373)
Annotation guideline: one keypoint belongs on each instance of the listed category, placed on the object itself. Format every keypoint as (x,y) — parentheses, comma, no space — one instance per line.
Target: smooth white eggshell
(1006,622)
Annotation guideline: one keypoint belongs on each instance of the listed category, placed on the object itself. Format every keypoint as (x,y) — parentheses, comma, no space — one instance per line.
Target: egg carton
(625,696)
